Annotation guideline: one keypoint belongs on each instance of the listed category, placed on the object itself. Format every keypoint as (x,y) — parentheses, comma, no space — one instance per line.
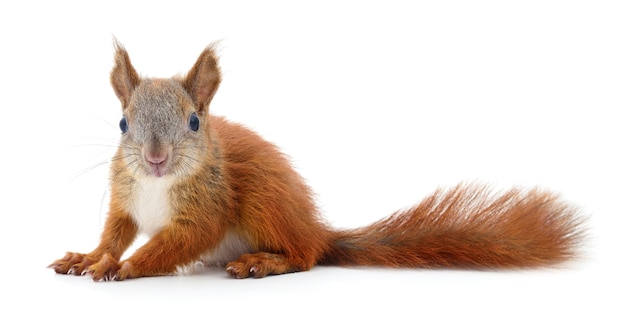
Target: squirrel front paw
(104,270)
(108,269)
(72,263)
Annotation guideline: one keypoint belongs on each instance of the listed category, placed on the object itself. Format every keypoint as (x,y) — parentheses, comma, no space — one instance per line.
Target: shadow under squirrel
(206,189)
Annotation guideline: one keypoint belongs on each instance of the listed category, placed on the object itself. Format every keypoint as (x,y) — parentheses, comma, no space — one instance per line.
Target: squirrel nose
(156,158)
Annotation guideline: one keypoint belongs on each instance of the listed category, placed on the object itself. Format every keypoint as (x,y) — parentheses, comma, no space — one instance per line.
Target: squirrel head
(165,121)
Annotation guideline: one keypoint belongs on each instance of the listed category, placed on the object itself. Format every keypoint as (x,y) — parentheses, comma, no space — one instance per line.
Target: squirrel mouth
(157,163)
(158,171)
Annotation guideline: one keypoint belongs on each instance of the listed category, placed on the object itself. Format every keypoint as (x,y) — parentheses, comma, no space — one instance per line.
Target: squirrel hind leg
(259,265)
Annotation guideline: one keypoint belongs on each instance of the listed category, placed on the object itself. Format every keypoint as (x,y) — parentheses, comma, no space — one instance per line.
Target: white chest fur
(150,203)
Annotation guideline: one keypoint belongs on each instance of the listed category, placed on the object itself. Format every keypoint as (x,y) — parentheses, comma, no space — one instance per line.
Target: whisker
(123,156)
(189,157)
(104,194)
(187,166)
(87,169)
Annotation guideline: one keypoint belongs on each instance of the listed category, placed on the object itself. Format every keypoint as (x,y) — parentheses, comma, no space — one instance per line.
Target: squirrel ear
(124,78)
(202,81)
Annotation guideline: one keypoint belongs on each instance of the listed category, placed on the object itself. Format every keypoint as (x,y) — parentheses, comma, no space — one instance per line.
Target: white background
(377,103)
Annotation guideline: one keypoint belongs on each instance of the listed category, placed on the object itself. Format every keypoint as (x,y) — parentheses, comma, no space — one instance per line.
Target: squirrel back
(206,189)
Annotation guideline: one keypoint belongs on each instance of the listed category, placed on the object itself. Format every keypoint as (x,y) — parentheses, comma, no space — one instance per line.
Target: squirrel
(206,189)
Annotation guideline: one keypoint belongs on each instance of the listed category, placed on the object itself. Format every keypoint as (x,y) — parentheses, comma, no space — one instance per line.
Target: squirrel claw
(104,269)
(236,271)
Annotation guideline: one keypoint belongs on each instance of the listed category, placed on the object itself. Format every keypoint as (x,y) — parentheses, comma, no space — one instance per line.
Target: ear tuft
(124,78)
(202,81)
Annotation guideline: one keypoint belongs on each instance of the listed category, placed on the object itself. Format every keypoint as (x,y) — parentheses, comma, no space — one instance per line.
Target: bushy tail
(467,227)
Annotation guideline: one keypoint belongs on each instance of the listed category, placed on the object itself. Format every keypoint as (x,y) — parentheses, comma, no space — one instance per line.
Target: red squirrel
(206,189)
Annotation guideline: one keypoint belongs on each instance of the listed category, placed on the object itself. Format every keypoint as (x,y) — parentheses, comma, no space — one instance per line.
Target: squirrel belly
(229,249)
(206,189)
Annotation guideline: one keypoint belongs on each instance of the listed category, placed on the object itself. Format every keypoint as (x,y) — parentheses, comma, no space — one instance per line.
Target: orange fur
(467,227)
(233,192)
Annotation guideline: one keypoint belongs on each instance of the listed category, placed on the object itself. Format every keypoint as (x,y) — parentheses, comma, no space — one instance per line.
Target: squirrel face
(164,122)
(161,129)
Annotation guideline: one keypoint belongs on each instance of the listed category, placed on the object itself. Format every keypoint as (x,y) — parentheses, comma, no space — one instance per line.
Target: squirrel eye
(194,122)
(123,124)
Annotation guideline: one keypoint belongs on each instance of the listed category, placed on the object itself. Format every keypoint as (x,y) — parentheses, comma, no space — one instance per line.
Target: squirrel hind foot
(261,264)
